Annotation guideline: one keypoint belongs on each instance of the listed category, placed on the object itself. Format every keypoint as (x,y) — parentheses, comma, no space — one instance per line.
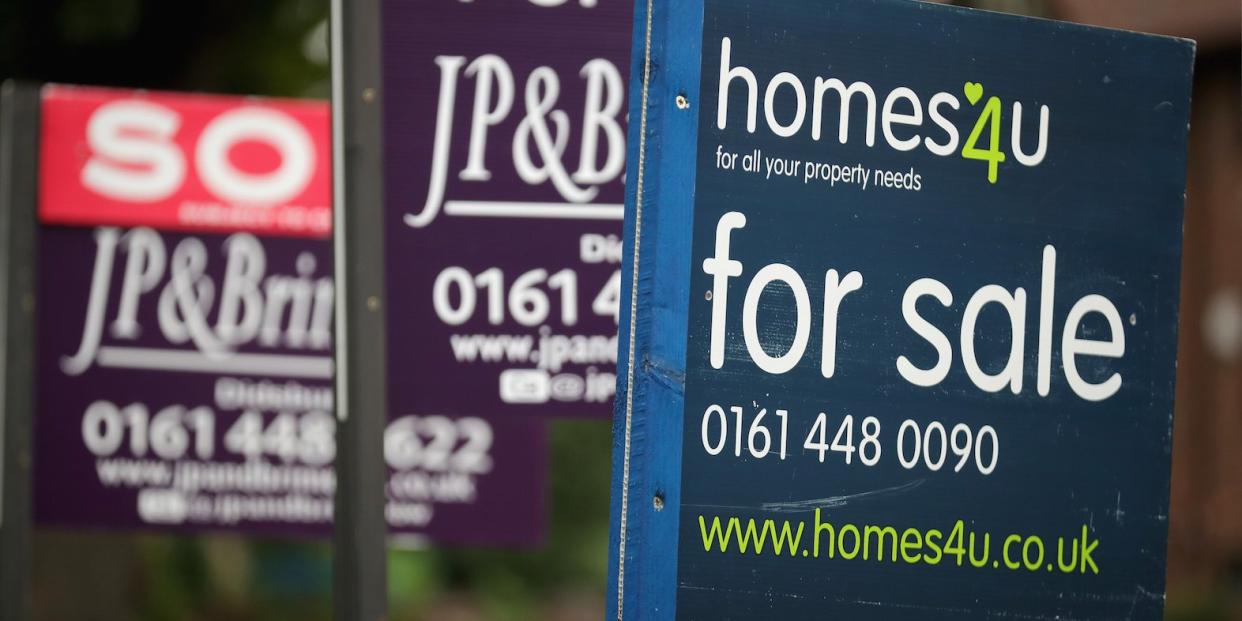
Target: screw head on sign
(658,502)
(682,102)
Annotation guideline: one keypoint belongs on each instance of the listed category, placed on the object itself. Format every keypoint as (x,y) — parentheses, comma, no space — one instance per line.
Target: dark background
(1107,197)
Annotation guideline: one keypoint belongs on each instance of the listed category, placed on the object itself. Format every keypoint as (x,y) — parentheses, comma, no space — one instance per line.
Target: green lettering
(715,534)
(882,534)
(1086,553)
(1010,540)
(987,553)
(956,543)
(820,527)
(1065,567)
(992,155)
(911,538)
(848,528)
(933,541)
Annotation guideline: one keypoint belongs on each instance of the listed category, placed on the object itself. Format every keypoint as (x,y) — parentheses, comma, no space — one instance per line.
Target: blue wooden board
(918,368)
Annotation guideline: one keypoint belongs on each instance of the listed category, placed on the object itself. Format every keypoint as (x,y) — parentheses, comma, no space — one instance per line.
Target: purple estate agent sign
(150,414)
(504,149)
(184,380)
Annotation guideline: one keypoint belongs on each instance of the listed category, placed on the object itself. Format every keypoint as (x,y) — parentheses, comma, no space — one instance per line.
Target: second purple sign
(504,130)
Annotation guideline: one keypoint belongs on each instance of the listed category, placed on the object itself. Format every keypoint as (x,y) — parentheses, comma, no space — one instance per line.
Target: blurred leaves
(517,585)
(252,47)
(84,22)
(221,577)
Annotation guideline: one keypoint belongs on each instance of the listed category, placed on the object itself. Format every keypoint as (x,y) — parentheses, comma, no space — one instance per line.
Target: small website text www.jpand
(957,545)
(550,351)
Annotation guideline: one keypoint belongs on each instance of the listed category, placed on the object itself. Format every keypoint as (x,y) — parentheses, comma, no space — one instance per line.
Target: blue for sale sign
(902,293)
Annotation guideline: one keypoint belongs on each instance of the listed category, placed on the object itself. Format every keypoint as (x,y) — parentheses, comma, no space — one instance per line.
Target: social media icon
(162,506)
(525,386)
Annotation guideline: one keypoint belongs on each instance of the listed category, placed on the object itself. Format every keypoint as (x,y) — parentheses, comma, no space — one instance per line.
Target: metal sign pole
(19,144)
(360,539)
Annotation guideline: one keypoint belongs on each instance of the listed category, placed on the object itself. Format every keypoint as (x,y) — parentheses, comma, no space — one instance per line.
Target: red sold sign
(187,162)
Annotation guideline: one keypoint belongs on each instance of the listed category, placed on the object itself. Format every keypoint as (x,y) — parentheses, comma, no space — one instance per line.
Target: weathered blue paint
(647,424)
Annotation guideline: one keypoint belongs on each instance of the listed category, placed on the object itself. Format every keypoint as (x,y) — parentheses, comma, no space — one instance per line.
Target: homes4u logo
(902,116)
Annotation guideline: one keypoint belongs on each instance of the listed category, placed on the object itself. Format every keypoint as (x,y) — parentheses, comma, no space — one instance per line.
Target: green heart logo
(974,91)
